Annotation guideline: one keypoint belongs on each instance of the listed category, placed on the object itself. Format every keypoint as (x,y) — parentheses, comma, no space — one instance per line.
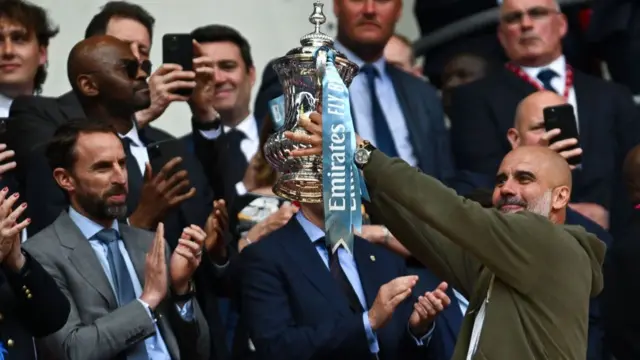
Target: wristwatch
(205,126)
(363,154)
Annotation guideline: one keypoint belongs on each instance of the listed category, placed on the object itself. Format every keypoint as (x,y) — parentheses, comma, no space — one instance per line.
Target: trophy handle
(321,69)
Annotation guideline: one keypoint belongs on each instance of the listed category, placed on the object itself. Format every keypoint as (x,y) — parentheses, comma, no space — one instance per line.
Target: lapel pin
(373,258)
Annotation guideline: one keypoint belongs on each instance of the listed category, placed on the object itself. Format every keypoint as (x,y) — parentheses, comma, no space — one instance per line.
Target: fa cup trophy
(315,77)
(301,73)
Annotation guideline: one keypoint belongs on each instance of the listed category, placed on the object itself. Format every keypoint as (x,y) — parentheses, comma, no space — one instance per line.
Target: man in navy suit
(299,301)
(400,112)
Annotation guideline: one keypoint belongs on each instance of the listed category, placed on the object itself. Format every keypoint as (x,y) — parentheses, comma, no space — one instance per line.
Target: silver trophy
(301,75)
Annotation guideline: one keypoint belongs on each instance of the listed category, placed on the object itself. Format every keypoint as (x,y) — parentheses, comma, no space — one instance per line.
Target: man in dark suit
(482,112)
(229,142)
(122,90)
(361,308)
(621,271)
(31,304)
(400,112)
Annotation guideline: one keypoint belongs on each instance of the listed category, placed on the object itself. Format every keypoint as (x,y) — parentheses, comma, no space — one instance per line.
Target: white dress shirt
(138,148)
(559,65)
(249,146)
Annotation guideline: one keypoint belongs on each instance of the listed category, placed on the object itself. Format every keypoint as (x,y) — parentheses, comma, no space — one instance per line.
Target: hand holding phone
(178,49)
(562,132)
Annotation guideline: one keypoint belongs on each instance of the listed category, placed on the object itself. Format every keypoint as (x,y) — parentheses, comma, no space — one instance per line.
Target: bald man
(529,278)
(528,129)
(622,271)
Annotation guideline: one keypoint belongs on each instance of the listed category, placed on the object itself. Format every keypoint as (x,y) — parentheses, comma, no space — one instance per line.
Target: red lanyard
(524,76)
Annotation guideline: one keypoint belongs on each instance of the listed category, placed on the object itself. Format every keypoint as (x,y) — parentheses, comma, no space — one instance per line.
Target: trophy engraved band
(301,74)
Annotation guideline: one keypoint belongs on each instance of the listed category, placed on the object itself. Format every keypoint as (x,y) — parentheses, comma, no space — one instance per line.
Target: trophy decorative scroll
(301,72)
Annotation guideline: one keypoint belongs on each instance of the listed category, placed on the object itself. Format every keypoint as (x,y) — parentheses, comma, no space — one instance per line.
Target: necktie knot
(107,236)
(546,75)
(370,71)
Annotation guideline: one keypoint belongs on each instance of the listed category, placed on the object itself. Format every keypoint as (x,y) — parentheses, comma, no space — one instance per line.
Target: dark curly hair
(36,21)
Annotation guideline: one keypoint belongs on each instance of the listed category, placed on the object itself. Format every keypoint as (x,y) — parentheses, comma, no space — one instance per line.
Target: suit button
(29,296)
(1,317)
(10,343)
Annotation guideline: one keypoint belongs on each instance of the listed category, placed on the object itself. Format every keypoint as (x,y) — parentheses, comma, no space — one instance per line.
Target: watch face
(361,156)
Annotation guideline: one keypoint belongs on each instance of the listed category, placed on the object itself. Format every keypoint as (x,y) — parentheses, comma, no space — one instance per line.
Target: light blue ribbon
(276,107)
(3,351)
(342,187)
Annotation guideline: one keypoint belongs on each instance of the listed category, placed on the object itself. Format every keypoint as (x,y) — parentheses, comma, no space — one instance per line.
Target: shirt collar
(558,65)
(380,64)
(313,232)
(88,227)
(5,105)
(134,136)
(248,127)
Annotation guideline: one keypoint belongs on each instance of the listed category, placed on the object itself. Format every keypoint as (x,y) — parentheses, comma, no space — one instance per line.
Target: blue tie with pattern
(122,282)
(545,76)
(384,140)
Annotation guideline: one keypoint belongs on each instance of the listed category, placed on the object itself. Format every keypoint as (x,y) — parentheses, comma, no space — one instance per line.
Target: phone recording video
(178,49)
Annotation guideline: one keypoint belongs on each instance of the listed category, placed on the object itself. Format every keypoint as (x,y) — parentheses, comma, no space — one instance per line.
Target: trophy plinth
(301,77)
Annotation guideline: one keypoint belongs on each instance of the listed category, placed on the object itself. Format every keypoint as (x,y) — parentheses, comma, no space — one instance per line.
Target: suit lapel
(586,100)
(410,109)
(368,268)
(82,256)
(516,83)
(453,315)
(297,244)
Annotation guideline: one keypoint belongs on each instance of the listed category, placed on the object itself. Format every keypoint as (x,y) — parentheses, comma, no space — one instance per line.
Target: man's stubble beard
(98,208)
(542,205)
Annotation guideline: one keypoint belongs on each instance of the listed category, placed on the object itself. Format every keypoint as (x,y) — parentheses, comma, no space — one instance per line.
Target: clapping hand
(186,258)
(216,226)
(427,308)
(155,271)
(10,251)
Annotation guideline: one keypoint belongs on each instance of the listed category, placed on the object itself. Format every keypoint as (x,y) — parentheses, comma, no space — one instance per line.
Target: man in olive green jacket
(528,277)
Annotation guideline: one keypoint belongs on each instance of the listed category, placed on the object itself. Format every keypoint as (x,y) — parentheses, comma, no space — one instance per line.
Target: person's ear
(560,198)
(513,137)
(64,180)
(87,86)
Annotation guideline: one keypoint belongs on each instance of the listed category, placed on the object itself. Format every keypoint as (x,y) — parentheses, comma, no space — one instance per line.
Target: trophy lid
(316,38)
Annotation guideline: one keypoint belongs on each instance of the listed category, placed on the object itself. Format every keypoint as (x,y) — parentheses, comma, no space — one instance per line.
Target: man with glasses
(531,32)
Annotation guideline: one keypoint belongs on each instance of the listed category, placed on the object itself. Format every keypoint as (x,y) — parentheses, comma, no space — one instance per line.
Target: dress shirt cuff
(147,308)
(424,340)
(372,339)
(241,189)
(186,311)
(23,235)
(211,134)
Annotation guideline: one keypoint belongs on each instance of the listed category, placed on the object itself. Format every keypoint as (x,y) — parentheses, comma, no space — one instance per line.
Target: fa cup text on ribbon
(339,164)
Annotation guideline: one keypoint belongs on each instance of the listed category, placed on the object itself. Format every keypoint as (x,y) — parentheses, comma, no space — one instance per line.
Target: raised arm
(414,206)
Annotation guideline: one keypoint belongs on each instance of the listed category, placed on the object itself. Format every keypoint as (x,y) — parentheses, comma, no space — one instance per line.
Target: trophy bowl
(300,72)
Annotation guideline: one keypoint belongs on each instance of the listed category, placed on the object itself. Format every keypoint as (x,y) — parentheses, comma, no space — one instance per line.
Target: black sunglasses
(131,67)
(534,13)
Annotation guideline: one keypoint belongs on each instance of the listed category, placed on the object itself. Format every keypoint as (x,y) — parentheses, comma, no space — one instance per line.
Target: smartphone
(178,49)
(162,152)
(563,117)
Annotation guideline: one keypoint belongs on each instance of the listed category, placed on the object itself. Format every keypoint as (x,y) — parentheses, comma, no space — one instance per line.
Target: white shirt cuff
(424,340)
(211,134)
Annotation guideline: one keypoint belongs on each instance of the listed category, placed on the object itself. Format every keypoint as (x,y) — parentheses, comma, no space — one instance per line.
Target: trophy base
(303,186)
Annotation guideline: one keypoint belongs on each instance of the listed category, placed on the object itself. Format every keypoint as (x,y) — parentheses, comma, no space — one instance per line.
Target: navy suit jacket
(294,310)
(420,106)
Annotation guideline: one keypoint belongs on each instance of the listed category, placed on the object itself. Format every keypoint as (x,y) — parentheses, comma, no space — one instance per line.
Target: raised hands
(4,156)
(201,101)
(186,258)
(11,255)
(216,226)
(160,193)
(562,146)
(155,271)
(313,125)
(427,308)
(272,223)
(389,297)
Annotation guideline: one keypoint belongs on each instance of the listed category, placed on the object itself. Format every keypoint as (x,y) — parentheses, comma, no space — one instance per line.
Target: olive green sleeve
(449,234)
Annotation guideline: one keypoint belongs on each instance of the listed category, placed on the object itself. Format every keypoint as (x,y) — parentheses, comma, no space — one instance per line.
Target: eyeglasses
(534,13)
(131,67)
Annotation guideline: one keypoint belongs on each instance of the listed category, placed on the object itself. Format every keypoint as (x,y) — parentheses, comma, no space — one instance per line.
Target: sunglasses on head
(534,13)
(131,67)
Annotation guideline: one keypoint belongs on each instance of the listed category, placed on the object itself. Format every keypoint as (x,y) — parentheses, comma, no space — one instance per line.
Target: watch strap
(206,126)
(186,296)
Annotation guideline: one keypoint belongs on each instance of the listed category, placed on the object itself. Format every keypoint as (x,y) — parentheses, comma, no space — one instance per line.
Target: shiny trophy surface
(301,73)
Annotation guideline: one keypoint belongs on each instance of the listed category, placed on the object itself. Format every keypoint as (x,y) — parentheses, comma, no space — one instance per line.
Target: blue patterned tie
(122,282)
(545,76)
(384,140)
